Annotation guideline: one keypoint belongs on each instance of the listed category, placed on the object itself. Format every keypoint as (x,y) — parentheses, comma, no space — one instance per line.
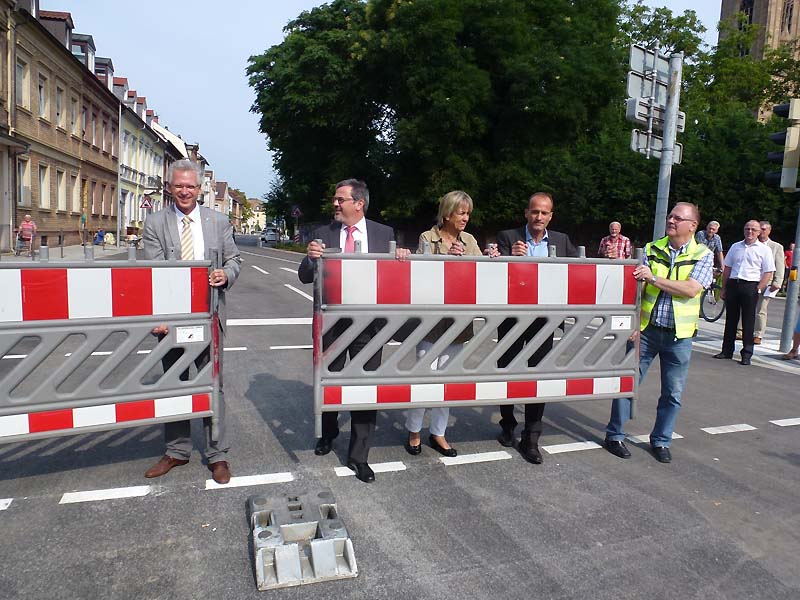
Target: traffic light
(789,159)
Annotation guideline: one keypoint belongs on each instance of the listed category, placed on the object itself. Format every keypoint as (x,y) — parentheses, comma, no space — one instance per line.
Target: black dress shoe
(617,448)
(745,361)
(324,445)
(506,438)
(723,355)
(530,452)
(413,450)
(662,454)
(362,471)
(451,452)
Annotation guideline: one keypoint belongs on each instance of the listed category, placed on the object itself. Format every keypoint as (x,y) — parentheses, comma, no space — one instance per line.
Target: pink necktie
(349,241)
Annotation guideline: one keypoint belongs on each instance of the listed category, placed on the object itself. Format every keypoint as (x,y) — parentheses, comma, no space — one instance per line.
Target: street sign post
(639,143)
(146,203)
(638,110)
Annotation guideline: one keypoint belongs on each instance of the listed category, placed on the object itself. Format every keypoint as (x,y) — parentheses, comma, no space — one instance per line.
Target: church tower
(779,20)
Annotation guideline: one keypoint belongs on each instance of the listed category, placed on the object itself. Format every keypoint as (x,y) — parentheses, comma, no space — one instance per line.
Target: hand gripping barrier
(299,539)
(77,353)
(536,330)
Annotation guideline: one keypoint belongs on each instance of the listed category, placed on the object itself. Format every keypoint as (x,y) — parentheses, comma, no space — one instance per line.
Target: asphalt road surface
(721,522)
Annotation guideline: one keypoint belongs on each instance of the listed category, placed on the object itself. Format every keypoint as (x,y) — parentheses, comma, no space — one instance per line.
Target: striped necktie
(187,241)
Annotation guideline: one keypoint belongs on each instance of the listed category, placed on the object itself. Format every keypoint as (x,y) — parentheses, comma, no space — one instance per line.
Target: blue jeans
(674,356)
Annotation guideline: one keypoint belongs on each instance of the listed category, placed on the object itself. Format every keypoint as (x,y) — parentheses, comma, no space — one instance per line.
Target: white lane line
(464,459)
(14,356)
(106,353)
(572,447)
(252,322)
(290,270)
(728,428)
(645,439)
(270,257)
(301,292)
(786,422)
(260,270)
(143,351)
(5,503)
(109,494)
(235,349)
(305,347)
(386,467)
(248,480)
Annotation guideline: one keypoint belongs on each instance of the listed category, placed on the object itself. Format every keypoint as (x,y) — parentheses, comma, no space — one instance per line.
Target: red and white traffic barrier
(389,281)
(490,390)
(104,414)
(42,294)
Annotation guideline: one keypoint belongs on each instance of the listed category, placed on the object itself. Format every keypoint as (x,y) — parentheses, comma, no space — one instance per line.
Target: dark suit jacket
(378,238)
(564,247)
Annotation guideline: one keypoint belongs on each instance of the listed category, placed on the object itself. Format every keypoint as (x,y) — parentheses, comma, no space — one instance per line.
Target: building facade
(779,21)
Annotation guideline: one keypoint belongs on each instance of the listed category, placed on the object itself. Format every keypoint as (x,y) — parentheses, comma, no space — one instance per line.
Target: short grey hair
(765,224)
(359,190)
(713,224)
(185,164)
(450,203)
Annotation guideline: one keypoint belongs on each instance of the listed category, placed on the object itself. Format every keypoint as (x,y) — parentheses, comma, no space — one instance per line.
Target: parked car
(270,235)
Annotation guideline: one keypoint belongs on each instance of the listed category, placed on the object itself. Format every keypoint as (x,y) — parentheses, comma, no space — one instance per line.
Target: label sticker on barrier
(471,331)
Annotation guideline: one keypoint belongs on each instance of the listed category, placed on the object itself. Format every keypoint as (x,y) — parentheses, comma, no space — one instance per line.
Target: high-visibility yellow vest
(686,310)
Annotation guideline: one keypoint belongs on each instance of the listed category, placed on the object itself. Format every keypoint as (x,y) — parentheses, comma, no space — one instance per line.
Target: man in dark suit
(350,203)
(533,239)
(192,230)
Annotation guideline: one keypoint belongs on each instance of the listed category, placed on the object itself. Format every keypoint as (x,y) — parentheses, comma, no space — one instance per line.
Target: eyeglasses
(677,219)
(340,200)
(185,187)
(752,229)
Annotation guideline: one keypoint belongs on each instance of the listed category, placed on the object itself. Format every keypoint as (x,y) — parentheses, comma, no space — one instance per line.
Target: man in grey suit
(192,230)
(533,239)
(350,203)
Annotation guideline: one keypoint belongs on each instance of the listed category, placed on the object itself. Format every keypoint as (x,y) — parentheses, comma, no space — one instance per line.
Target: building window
(23,182)
(103,131)
(93,199)
(23,84)
(61,190)
(85,124)
(75,190)
(113,201)
(103,199)
(93,136)
(747,8)
(73,116)
(44,186)
(44,107)
(787,16)
(60,107)
(114,140)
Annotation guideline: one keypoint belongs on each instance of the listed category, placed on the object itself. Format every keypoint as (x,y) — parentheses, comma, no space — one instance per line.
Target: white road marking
(386,467)
(786,422)
(464,459)
(143,351)
(301,292)
(252,322)
(5,503)
(290,270)
(106,353)
(645,439)
(260,270)
(269,256)
(14,356)
(305,347)
(248,480)
(572,447)
(109,494)
(728,428)
(235,349)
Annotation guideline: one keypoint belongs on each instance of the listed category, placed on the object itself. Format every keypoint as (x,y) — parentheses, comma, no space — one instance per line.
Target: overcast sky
(188,58)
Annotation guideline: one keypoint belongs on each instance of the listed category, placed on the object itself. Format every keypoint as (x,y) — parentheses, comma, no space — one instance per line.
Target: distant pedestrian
(615,245)
(675,271)
(25,235)
(749,267)
(710,238)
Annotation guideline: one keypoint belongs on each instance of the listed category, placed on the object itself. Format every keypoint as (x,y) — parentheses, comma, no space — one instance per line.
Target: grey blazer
(378,237)
(564,247)
(161,233)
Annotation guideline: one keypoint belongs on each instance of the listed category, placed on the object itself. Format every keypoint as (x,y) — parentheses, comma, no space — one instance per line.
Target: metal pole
(790,312)
(668,146)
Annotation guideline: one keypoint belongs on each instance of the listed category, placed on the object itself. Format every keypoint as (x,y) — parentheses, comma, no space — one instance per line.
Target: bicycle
(711,305)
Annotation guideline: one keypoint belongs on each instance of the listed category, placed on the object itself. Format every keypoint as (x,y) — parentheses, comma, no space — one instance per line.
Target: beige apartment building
(779,20)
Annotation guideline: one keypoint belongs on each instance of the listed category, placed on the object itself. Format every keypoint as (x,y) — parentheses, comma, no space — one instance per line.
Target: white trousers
(439,416)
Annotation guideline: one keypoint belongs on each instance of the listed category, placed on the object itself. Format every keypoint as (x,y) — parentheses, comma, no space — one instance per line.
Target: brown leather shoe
(757,341)
(220,472)
(164,466)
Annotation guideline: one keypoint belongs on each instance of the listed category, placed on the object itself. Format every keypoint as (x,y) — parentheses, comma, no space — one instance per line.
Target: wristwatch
(653,280)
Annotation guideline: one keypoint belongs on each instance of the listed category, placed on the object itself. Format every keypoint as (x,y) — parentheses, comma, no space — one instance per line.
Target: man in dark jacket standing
(533,239)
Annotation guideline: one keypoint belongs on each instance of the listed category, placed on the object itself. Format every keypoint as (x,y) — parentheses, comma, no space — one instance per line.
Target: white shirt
(360,234)
(197,232)
(749,262)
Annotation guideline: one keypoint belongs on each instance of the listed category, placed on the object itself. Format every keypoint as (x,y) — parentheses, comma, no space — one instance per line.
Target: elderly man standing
(615,245)
(710,238)
(192,230)
(749,267)
(675,271)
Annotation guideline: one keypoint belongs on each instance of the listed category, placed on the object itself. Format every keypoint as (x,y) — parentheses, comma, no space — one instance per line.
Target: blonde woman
(446,237)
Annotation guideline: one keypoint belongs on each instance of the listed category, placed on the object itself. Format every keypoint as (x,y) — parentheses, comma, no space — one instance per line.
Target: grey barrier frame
(44,395)
(353,373)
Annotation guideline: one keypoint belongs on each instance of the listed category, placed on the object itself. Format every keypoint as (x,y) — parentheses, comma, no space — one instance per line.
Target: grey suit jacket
(564,247)
(780,263)
(378,237)
(161,233)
